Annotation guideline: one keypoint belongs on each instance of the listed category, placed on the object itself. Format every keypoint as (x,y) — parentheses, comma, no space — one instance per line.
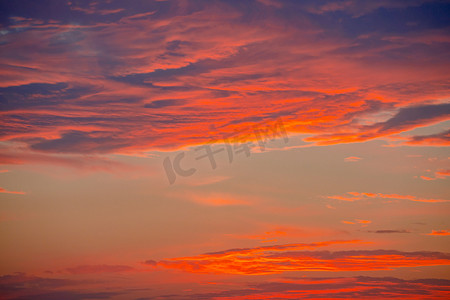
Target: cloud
(83,163)
(390,231)
(407,118)
(440,174)
(361,287)
(439,232)
(288,258)
(348,222)
(427,178)
(91,269)
(80,142)
(163,103)
(215,198)
(439,139)
(2,190)
(356,196)
(352,158)
(22,286)
(275,3)
(331,70)
(73,295)
(359,9)
(13,282)
(357,221)
(364,221)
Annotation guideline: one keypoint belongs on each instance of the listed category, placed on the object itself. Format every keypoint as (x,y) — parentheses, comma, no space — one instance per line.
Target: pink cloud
(188,69)
(352,158)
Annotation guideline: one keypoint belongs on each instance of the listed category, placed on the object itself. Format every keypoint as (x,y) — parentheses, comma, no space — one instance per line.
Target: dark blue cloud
(78,12)
(40,94)
(81,142)
(398,20)
(164,103)
(441,138)
(414,115)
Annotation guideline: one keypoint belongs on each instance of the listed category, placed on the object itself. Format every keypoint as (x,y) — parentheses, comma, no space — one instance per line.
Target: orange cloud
(187,79)
(344,198)
(362,196)
(215,198)
(439,232)
(2,190)
(442,174)
(364,222)
(285,258)
(347,222)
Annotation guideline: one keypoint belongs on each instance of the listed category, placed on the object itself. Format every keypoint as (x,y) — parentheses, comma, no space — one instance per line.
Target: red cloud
(185,79)
(440,232)
(285,258)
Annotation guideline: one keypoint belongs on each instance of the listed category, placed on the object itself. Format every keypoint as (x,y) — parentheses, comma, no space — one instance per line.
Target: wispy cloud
(356,196)
(439,232)
(2,190)
(438,139)
(440,174)
(357,221)
(184,72)
(92,269)
(292,257)
(390,231)
(361,287)
(352,158)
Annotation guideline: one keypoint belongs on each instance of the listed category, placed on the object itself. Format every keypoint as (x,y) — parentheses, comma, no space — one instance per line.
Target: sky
(252,149)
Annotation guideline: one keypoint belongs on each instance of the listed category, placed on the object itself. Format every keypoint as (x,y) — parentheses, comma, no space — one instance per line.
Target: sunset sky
(213,149)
